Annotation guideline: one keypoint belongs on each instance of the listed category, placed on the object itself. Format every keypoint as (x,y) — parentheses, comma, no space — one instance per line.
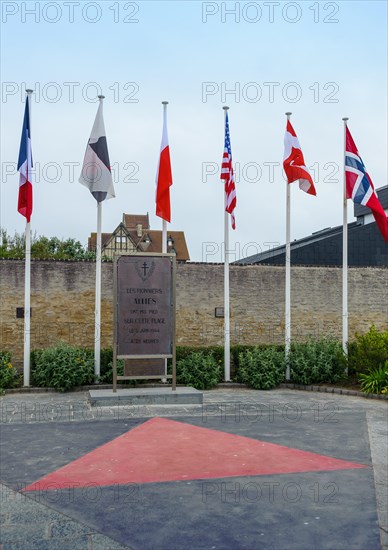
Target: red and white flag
(25,167)
(164,177)
(293,163)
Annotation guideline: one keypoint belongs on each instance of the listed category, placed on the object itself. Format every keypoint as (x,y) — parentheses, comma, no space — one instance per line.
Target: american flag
(228,175)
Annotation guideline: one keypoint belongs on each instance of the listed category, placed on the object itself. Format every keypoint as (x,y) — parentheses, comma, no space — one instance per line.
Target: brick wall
(62,301)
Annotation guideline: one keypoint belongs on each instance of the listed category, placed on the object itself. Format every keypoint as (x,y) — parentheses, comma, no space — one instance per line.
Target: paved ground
(247,469)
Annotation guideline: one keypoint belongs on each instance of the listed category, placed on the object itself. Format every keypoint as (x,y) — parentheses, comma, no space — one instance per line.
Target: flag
(96,172)
(164,177)
(293,163)
(227,174)
(359,186)
(25,167)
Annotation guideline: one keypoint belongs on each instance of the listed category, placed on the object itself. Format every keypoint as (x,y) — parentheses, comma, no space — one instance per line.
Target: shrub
(106,360)
(262,368)
(9,376)
(376,381)
(106,374)
(239,350)
(63,367)
(368,352)
(316,361)
(199,370)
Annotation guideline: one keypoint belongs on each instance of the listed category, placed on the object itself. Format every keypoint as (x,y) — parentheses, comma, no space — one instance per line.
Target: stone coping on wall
(222,385)
(233,264)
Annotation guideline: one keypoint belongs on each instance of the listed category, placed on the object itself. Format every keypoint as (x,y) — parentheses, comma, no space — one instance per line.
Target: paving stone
(13,533)
(68,528)
(99,542)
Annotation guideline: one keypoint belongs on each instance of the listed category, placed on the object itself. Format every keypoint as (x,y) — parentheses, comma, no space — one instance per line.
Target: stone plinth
(146,396)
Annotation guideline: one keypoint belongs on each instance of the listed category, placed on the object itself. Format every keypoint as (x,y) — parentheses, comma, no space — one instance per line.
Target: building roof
(179,242)
(323,234)
(382,193)
(366,246)
(92,240)
(132,220)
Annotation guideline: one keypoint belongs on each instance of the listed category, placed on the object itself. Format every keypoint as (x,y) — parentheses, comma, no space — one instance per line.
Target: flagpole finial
(164,102)
(345,119)
(29,91)
(101,97)
(288,114)
(226,108)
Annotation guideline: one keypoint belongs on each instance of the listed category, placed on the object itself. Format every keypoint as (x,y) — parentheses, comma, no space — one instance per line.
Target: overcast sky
(320,60)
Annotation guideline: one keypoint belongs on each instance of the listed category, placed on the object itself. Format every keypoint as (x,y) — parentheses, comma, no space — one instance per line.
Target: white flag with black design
(96,173)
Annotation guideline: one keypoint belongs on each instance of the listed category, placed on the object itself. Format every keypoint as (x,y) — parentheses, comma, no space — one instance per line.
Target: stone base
(146,396)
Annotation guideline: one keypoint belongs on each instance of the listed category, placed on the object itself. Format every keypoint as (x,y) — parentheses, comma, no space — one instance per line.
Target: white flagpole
(27,288)
(345,257)
(164,223)
(288,277)
(97,313)
(226,291)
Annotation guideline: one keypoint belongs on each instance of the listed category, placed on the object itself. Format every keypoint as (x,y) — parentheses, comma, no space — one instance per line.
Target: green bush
(239,350)
(262,368)
(199,370)
(106,374)
(375,381)
(368,352)
(63,367)
(9,376)
(106,360)
(316,361)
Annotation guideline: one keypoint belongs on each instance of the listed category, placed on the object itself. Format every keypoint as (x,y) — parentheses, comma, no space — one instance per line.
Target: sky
(321,61)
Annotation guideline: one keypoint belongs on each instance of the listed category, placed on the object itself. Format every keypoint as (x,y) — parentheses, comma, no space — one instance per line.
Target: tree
(43,248)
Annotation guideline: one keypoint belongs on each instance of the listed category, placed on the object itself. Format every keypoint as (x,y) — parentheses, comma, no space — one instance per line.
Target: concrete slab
(321,509)
(146,396)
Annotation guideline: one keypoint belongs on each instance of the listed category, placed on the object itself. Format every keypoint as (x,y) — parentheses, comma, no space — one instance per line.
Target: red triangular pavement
(166,450)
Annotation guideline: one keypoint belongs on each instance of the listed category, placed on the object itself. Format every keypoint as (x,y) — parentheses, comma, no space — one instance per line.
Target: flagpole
(27,285)
(164,223)
(288,277)
(97,314)
(226,290)
(345,256)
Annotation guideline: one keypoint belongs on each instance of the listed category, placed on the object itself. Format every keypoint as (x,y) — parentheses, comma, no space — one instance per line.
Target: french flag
(25,167)
(164,177)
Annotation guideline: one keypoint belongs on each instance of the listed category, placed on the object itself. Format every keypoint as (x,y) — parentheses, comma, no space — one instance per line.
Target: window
(121,242)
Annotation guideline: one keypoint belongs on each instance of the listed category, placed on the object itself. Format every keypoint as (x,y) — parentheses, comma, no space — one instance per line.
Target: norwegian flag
(227,174)
(25,167)
(359,186)
(293,163)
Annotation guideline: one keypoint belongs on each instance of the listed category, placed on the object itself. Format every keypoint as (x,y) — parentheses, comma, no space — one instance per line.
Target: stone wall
(62,301)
